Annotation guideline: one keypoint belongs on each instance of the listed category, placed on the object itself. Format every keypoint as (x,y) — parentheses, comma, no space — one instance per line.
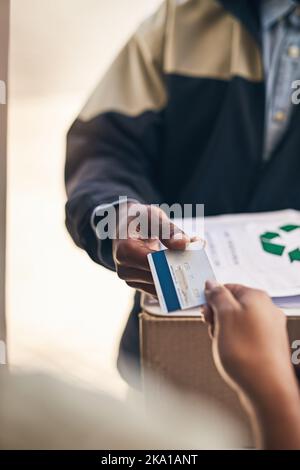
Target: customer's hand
(251,351)
(130,254)
(250,342)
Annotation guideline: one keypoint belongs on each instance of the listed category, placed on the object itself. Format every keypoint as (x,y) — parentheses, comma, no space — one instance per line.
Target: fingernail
(199,240)
(181,236)
(209,285)
(196,238)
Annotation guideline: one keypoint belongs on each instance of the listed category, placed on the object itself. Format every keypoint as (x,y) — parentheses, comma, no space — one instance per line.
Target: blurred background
(64,313)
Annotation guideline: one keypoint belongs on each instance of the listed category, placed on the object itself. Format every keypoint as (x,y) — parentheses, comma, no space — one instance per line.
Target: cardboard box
(177,349)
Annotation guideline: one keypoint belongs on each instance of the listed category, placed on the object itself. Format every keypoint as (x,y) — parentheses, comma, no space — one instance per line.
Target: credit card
(180,276)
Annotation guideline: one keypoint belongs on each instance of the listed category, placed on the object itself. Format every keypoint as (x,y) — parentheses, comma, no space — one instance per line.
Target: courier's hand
(130,255)
(250,342)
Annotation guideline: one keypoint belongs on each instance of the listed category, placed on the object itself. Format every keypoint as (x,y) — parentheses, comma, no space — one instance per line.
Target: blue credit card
(180,276)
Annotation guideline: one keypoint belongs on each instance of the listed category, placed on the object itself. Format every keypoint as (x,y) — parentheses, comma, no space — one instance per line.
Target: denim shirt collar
(272,11)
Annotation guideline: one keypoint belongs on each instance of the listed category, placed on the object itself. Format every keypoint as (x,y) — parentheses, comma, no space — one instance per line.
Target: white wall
(61,46)
(64,312)
(4,23)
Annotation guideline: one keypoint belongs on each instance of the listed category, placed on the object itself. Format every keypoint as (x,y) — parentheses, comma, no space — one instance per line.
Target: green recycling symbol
(271,242)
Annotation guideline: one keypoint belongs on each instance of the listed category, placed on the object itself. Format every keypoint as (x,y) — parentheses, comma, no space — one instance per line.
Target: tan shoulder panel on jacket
(204,40)
(186,37)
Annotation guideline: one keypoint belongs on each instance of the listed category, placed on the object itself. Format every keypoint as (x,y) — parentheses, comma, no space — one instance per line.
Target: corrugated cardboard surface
(4,34)
(178,350)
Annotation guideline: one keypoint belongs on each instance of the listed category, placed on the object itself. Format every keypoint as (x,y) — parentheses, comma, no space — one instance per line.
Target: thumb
(172,236)
(220,299)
